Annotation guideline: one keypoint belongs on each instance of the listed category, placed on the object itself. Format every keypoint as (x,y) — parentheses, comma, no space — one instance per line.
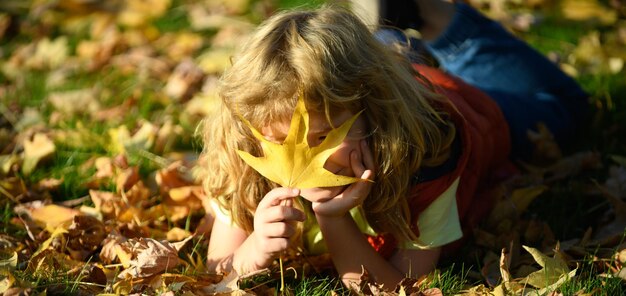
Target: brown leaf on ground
(98,51)
(127,178)
(413,286)
(109,203)
(172,177)
(183,201)
(614,231)
(13,188)
(184,81)
(85,235)
(180,46)
(110,244)
(568,166)
(149,257)
(113,114)
(140,59)
(48,184)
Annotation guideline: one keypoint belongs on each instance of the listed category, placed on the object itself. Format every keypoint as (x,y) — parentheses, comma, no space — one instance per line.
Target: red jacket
(486,144)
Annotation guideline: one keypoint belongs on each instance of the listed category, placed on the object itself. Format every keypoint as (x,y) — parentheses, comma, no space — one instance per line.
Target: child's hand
(362,166)
(274,223)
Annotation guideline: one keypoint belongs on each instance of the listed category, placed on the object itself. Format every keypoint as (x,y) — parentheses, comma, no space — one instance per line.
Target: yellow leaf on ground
(52,215)
(215,61)
(143,139)
(72,102)
(49,53)
(554,268)
(293,163)
(181,194)
(36,150)
(56,233)
(7,282)
(139,12)
(177,234)
(582,10)
(9,263)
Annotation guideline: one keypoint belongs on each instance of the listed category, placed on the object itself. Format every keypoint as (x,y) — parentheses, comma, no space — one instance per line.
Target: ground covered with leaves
(100,192)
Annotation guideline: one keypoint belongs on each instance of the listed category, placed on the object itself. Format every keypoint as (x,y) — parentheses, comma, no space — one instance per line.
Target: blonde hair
(330,56)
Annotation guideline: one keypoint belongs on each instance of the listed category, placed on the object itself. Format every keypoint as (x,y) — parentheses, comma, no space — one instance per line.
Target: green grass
(288,4)
(588,281)
(174,20)
(451,279)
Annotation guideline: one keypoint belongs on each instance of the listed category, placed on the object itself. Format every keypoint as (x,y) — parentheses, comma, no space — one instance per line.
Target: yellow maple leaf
(294,163)
(554,270)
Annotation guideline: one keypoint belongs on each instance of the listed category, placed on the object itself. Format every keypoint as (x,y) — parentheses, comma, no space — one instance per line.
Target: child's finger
(287,202)
(280,214)
(361,189)
(280,229)
(357,165)
(276,195)
(350,198)
(368,158)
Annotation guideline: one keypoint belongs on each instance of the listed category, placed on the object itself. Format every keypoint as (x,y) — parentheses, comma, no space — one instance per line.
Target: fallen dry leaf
(109,252)
(73,102)
(215,60)
(149,257)
(142,139)
(229,285)
(137,13)
(49,54)
(184,81)
(180,46)
(85,235)
(583,10)
(553,269)
(52,216)
(177,234)
(36,150)
(127,178)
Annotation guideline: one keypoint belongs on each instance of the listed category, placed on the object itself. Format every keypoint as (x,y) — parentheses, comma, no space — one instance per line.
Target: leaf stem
(282,275)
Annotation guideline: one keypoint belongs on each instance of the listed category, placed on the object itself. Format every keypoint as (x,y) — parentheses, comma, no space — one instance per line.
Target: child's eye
(321,138)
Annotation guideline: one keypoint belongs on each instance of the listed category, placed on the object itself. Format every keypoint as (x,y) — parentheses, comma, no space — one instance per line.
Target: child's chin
(321,194)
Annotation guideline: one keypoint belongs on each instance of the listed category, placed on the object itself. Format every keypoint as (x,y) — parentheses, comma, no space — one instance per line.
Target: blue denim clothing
(527,86)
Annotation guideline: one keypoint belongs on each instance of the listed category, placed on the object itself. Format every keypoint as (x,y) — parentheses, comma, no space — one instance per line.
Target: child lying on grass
(431,141)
